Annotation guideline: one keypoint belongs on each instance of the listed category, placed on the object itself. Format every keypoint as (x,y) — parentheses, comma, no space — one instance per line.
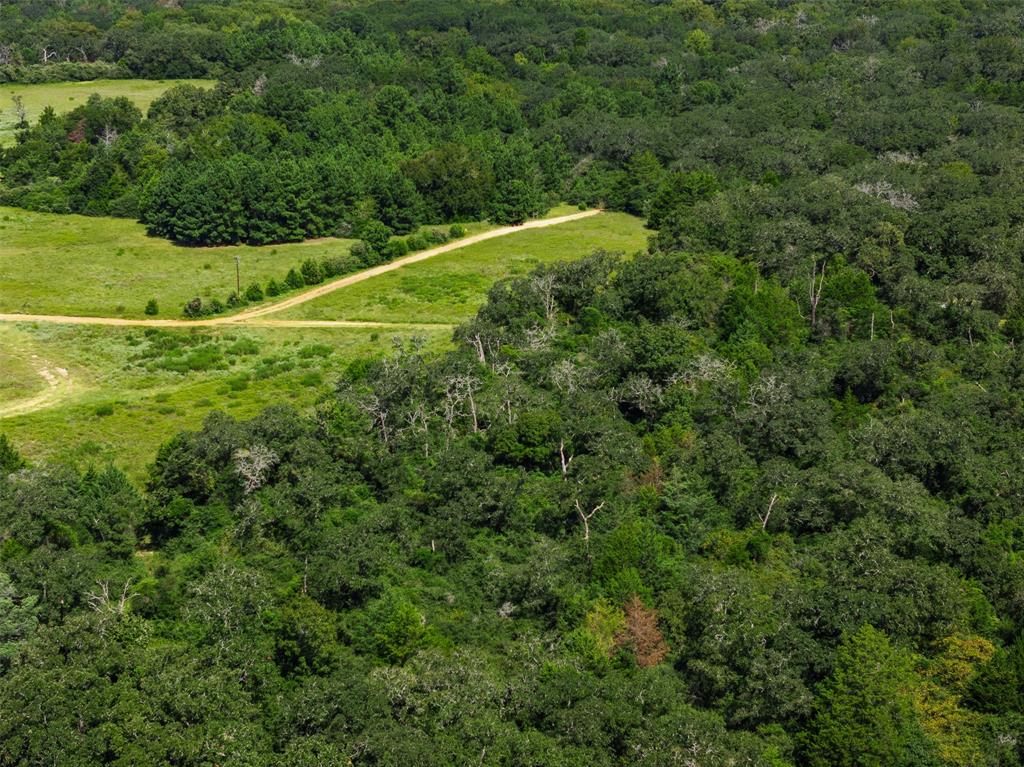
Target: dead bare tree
(48,54)
(544,285)
(311,62)
(642,393)
(251,464)
(109,136)
(765,395)
(566,376)
(768,512)
(586,517)
(416,421)
(509,377)
(817,283)
(379,413)
(538,337)
(108,605)
(7,53)
(706,368)
(477,343)
(566,461)
(458,391)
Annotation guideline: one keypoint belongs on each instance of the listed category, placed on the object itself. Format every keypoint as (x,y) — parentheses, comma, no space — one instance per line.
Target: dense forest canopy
(752,497)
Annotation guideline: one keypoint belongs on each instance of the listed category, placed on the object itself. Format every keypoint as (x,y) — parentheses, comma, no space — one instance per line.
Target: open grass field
(127,391)
(451,287)
(64,97)
(109,267)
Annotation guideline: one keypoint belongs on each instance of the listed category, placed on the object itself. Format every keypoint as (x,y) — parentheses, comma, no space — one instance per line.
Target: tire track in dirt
(59,387)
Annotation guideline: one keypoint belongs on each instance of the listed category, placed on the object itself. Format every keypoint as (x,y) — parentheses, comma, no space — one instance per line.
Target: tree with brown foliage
(641,634)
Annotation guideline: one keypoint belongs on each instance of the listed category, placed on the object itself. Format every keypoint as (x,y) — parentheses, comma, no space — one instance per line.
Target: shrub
(294,280)
(10,459)
(416,242)
(243,346)
(254,292)
(194,308)
(363,254)
(104,410)
(151,308)
(456,231)
(395,249)
(315,350)
(332,266)
(234,301)
(273,288)
(216,307)
(311,272)
(375,234)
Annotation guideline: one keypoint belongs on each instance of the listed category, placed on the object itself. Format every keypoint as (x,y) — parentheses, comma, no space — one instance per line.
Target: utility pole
(238,276)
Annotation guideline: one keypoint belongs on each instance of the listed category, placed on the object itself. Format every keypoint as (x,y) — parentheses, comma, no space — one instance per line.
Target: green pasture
(134,388)
(109,267)
(128,390)
(451,287)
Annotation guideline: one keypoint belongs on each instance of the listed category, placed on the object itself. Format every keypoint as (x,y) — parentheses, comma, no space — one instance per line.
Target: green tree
(17,619)
(518,194)
(393,628)
(10,460)
(678,191)
(865,711)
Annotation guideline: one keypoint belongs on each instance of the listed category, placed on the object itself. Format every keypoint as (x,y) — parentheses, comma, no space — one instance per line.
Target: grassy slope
(150,405)
(452,286)
(109,267)
(59,264)
(64,97)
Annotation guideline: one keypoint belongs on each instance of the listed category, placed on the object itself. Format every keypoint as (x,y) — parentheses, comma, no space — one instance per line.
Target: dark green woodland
(752,497)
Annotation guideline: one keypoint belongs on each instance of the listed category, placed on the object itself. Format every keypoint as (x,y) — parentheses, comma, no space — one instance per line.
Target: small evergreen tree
(312,274)
(866,715)
(294,280)
(254,293)
(10,459)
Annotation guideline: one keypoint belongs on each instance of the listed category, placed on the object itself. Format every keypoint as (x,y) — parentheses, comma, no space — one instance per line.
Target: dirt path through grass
(58,388)
(254,316)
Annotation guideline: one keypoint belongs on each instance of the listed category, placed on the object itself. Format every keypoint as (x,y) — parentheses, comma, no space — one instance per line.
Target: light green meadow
(449,288)
(109,267)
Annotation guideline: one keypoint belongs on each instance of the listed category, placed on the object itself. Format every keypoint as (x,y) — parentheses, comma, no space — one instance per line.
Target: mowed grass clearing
(109,267)
(135,388)
(449,288)
(64,97)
